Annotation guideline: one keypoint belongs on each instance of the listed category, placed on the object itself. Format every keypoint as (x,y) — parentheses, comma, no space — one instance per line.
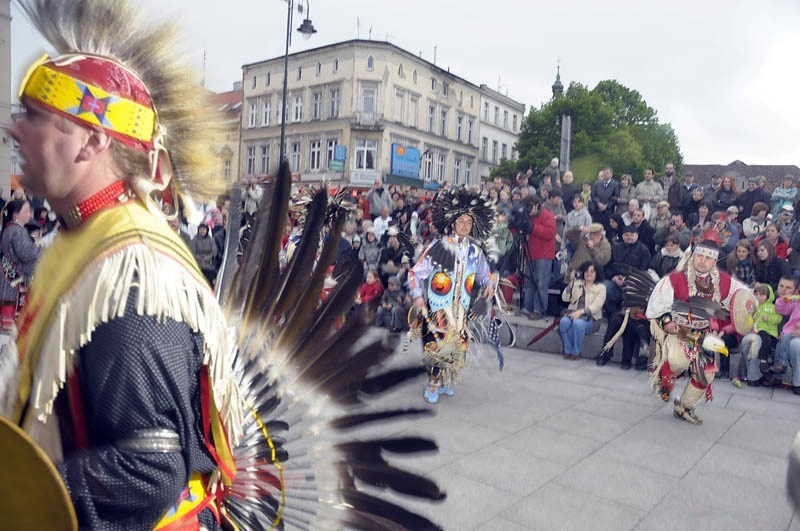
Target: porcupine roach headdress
(126,77)
(452,204)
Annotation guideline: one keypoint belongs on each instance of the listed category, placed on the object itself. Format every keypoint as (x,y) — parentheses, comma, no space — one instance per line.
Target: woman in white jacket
(585,294)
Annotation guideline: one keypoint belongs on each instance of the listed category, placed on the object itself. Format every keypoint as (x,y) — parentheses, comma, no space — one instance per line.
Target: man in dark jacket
(605,193)
(644,229)
(751,196)
(630,253)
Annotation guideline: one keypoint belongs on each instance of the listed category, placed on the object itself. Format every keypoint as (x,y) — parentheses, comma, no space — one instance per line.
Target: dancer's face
(463,225)
(703,264)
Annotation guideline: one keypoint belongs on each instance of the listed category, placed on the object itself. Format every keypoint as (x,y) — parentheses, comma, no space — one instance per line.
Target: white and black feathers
(307,375)
(449,205)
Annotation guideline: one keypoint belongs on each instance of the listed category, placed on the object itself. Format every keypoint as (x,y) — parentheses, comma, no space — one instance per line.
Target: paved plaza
(550,444)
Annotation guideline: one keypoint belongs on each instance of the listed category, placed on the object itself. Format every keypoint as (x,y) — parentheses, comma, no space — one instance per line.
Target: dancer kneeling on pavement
(681,310)
(458,276)
(586,295)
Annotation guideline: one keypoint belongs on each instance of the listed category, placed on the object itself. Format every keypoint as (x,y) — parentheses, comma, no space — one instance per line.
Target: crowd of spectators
(549,233)
(566,249)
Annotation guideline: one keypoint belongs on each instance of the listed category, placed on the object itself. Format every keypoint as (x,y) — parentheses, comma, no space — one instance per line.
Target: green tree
(610,123)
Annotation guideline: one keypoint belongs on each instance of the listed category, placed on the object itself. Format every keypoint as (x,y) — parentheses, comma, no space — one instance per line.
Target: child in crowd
(371,289)
(767,321)
(586,193)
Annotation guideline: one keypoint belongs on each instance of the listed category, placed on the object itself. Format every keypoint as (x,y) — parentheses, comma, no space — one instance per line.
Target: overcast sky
(723,73)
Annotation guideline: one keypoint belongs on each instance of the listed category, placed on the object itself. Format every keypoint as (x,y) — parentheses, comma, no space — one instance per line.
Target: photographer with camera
(589,244)
(585,294)
(676,227)
(541,251)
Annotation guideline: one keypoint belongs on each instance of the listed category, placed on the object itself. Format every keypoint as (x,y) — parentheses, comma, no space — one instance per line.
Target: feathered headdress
(125,76)
(452,204)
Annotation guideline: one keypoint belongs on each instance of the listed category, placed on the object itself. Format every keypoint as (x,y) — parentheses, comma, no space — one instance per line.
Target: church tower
(558,87)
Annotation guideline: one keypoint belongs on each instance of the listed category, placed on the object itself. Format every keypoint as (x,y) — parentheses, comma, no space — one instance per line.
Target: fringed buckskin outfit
(451,272)
(122,346)
(681,352)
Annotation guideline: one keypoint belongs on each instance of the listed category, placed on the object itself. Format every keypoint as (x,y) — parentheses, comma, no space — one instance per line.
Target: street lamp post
(307,30)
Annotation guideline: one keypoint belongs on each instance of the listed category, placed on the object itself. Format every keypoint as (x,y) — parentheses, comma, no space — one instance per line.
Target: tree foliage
(611,123)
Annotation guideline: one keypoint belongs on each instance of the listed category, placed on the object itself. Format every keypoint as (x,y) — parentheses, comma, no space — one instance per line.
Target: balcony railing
(367,120)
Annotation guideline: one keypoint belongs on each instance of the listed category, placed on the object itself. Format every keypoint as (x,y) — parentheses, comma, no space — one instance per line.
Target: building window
(400,70)
(316,105)
(427,164)
(331,150)
(315,155)
(250,161)
(414,76)
(399,105)
(369,96)
(269,78)
(470,125)
(504,151)
(413,106)
(299,72)
(467,171)
(486,111)
(496,115)
(226,168)
(366,153)
(494,151)
(505,119)
(297,108)
(319,69)
(459,127)
(443,116)
(445,87)
(432,118)
(440,168)
(254,82)
(456,171)
(514,122)
(484,148)
(280,110)
(252,114)
(266,111)
(370,63)
(295,158)
(471,101)
(433,84)
(333,103)
(264,169)
(335,65)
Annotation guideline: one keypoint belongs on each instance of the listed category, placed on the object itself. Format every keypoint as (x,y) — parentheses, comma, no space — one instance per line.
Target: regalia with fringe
(266,393)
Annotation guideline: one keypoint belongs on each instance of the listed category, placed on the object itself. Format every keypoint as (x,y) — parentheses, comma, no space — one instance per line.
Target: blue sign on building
(405,161)
(339,152)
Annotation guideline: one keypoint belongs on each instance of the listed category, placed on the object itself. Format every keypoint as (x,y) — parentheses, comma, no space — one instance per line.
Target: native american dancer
(689,310)
(458,276)
(159,408)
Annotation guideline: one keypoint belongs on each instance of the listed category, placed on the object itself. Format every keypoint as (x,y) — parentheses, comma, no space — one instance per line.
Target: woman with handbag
(18,260)
(585,294)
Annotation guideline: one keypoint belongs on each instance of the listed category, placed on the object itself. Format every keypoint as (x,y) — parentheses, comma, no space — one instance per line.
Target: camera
(578,274)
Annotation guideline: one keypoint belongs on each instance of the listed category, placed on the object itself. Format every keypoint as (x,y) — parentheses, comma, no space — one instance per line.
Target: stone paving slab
(617,481)
(559,508)
(550,444)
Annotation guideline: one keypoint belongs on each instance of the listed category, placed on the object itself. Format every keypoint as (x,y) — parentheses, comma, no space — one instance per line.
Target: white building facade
(500,121)
(374,99)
